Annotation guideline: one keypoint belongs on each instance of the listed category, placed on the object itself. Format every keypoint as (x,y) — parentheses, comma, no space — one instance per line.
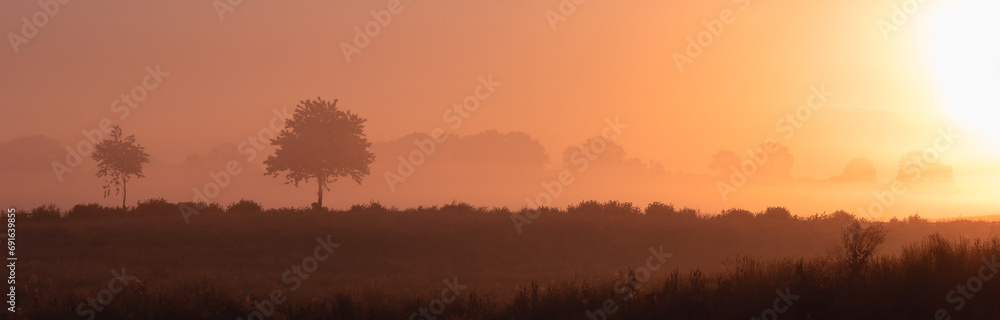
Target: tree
(722,161)
(118,159)
(860,239)
(916,166)
(321,142)
(859,170)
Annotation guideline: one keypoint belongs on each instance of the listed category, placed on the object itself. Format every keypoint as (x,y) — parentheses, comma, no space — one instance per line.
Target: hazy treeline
(490,168)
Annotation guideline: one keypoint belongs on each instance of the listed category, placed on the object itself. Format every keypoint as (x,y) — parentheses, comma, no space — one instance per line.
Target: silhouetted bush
(612,207)
(417,209)
(500,210)
(915,218)
(539,211)
(841,216)
(777,213)
(587,206)
(735,215)
(48,211)
(463,207)
(85,210)
(244,207)
(660,209)
(860,240)
(370,207)
(316,207)
(155,206)
(95,210)
(688,213)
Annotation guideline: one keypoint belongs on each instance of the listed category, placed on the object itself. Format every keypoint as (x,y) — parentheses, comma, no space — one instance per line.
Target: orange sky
(605,60)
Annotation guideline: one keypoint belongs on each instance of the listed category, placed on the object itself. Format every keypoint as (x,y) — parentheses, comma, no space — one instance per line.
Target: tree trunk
(321,183)
(124,192)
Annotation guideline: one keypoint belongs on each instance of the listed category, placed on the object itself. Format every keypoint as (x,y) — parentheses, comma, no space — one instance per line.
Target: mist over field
(501,169)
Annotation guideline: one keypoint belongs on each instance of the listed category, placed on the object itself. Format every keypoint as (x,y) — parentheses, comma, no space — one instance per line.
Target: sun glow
(964,48)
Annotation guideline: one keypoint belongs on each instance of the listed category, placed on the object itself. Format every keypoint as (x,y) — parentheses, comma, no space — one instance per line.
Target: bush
(155,206)
(660,209)
(86,210)
(95,210)
(464,207)
(373,206)
(735,214)
(244,206)
(539,211)
(49,211)
(688,213)
(617,208)
(612,207)
(841,216)
(500,210)
(588,206)
(860,240)
(915,219)
(777,213)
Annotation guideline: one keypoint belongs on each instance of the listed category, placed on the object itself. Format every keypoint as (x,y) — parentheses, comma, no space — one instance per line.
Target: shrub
(915,218)
(244,206)
(860,242)
(155,206)
(539,211)
(460,207)
(588,206)
(841,216)
(372,206)
(688,213)
(660,209)
(500,210)
(315,206)
(49,211)
(617,208)
(87,210)
(777,213)
(735,214)
(611,208)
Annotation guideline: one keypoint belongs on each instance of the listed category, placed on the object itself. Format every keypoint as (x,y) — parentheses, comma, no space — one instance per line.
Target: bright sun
(964,48)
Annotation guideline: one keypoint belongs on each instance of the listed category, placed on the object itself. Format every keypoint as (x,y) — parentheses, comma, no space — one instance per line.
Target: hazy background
(607,60)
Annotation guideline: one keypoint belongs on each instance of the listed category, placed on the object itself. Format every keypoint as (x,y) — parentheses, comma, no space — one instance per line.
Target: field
(594,260)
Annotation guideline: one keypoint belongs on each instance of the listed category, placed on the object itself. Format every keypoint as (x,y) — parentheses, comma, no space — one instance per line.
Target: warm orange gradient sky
(890,93)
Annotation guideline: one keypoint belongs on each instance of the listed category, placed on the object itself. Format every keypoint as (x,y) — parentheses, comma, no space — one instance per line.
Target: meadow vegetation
(567,264)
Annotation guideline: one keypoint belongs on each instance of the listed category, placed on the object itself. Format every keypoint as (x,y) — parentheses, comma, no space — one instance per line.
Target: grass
(393,262)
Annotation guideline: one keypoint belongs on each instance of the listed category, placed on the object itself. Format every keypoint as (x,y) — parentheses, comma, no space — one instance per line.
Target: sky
(686,79)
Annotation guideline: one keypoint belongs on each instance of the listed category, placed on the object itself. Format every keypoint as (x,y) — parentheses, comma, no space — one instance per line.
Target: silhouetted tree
(860,240)
(119,158)
(321,142)
(916,167)
(777,213)
(598,149)
(723,161)
(859,170)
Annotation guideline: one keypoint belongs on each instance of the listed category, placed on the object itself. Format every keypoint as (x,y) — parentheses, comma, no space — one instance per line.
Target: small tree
(860,240)
(118,159)
(321,142)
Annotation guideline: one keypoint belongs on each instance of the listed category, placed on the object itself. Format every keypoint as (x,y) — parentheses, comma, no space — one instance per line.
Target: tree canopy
(322,142)
(119,158)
